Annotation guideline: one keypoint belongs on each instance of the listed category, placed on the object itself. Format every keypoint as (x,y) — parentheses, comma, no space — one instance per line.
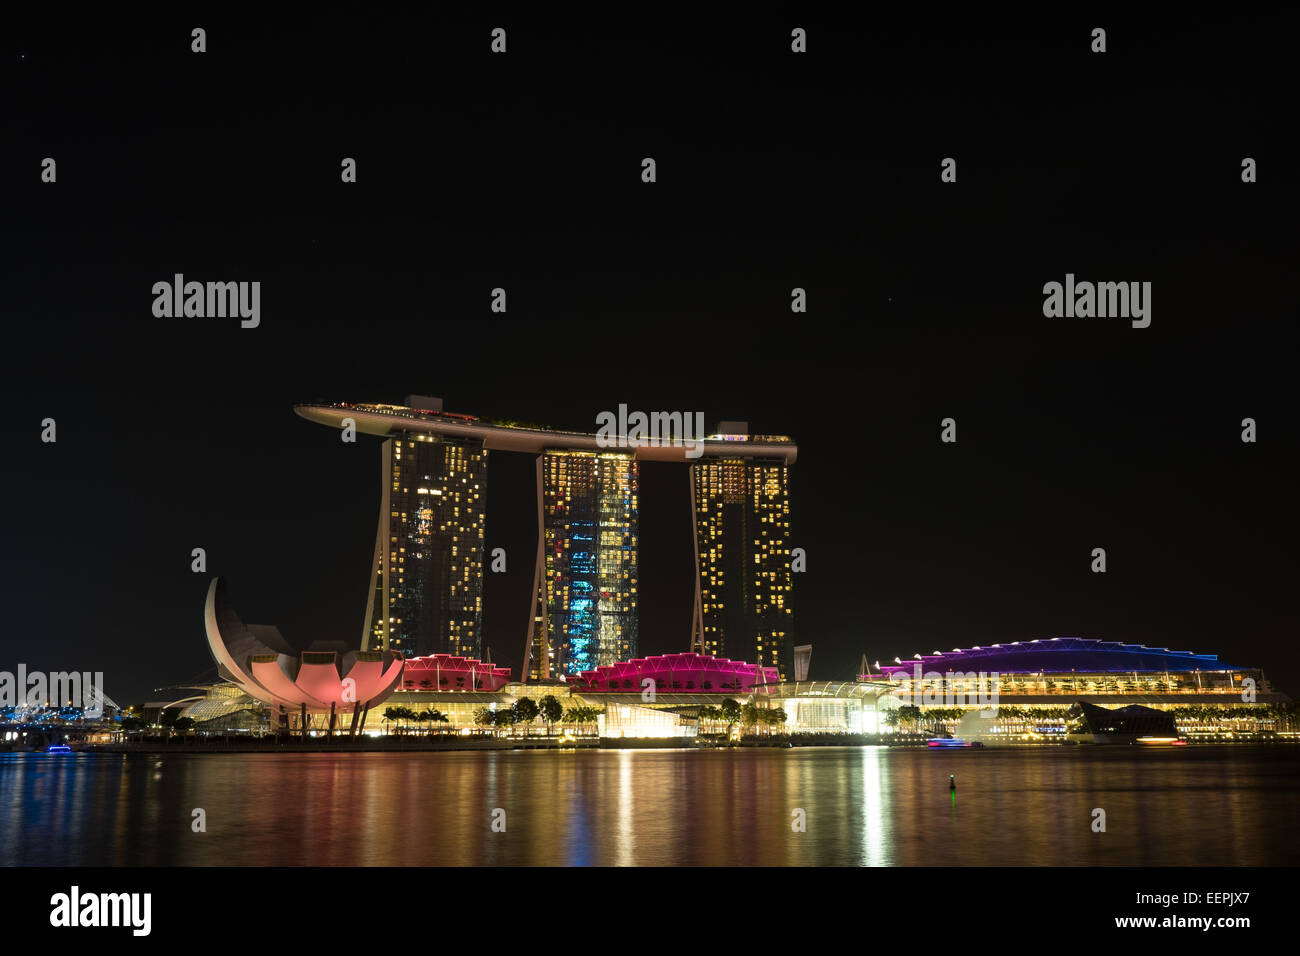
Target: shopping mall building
(1020,690)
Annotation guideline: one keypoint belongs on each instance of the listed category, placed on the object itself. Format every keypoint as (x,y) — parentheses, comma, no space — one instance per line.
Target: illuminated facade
(586,564)
(446,672)
(629,720)
(1032,690)
(827,707)
(689,673)
(743,605)
(1026,689)
(426,592)
(304,683)
(1077,667)
(226,708)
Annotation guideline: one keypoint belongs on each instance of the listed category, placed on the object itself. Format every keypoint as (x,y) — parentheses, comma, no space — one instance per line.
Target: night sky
(775,170)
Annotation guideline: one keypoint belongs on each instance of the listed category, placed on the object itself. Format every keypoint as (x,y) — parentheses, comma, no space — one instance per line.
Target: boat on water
(58,749)
(946,743)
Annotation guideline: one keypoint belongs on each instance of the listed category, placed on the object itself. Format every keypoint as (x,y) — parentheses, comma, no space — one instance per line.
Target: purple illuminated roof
(1063,654)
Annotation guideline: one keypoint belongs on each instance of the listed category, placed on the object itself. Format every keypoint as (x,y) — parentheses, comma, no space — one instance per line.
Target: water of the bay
(1195,806)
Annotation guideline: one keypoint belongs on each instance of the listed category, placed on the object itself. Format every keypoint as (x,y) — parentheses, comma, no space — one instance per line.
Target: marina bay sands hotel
(426,594)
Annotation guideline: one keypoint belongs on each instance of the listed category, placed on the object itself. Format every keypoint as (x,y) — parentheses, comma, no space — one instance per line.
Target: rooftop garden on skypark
(407,411)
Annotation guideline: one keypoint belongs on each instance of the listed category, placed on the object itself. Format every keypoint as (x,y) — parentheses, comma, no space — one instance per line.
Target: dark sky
(774,171)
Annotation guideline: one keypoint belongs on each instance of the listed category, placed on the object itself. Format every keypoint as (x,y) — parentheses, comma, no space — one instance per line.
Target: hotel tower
(743,585)
(586,564)
(426,579)
(427,575)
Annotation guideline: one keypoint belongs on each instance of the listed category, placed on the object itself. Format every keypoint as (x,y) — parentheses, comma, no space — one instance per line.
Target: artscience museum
(324,680)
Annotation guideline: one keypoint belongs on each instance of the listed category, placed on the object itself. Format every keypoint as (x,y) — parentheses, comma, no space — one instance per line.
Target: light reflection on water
(1213,806)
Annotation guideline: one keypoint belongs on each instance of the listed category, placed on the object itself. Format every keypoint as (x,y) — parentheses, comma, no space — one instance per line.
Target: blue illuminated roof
(1063,654)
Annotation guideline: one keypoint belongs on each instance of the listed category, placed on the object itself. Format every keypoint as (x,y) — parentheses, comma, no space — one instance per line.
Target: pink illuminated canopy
(680,673)
(449,672)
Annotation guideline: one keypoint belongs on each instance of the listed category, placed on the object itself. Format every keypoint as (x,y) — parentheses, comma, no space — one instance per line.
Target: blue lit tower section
(587,563)
(426,594)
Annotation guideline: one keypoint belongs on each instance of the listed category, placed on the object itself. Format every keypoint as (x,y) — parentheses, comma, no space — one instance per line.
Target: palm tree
(391,714)
(409,715)
(430,715)
(582,715)
(709,713)
(910,715)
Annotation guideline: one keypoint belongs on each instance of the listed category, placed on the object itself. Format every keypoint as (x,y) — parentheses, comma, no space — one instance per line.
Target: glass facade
(427,577)
(629,720)
(587,597)
(742,540)
(225,708)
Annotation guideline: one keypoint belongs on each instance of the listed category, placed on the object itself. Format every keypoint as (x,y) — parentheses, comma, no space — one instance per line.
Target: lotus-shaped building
(323,677)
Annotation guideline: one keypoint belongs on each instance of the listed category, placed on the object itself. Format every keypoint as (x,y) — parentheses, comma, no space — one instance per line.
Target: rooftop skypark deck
(506,435)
